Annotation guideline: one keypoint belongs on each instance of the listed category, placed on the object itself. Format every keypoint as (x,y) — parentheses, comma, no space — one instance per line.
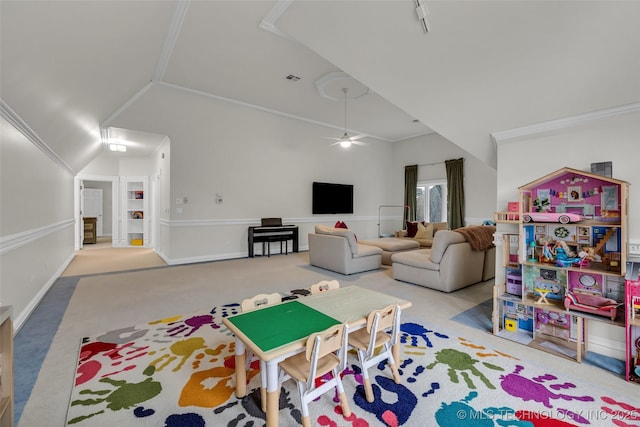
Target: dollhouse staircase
(603,241)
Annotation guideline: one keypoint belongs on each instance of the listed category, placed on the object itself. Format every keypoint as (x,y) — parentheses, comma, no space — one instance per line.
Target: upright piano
(272,230)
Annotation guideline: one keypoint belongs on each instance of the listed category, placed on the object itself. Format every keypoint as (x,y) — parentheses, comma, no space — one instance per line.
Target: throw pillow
(424,232)
(412,228)
(342,224)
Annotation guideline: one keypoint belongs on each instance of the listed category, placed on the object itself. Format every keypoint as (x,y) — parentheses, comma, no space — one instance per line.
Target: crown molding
(268,23)
(16,121)
(506,136)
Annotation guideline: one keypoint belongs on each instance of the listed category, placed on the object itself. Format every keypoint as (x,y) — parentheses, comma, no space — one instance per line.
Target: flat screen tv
(332,198)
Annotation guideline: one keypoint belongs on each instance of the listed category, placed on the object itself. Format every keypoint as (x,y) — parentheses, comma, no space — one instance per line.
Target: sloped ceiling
(69,68)
(485,66)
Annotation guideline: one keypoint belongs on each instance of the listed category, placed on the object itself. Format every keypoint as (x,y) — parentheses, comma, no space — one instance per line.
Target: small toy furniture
(589,302)
(543,295)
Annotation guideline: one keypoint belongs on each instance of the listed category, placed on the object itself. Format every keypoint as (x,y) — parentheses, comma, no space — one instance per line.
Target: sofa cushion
(391,244)
(424,231)
(346,233)
(366,250)
(437,226)
(441,241)
(419,259)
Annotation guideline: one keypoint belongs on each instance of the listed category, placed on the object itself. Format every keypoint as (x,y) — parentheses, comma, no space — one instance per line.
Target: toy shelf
(506,217)
(632,325)
(581,263)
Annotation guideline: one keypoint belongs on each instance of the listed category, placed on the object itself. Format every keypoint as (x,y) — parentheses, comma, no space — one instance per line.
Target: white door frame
(77,203)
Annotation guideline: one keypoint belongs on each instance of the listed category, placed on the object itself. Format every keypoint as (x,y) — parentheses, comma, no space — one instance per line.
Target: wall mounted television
(332,198)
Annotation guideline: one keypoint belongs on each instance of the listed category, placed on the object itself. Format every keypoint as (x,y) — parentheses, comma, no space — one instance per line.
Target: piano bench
(281,239)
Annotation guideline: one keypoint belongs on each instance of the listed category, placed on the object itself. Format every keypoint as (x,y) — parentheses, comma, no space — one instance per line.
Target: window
(431,201)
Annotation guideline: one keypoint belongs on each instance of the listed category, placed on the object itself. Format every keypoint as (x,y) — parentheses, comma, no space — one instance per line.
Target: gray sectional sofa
(425,242)
(450,264)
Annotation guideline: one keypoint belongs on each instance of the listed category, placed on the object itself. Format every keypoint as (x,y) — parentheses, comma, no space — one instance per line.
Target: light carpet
(179,371)
(107,259)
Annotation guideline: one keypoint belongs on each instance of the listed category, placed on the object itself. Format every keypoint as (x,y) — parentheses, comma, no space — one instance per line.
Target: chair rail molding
(16,240)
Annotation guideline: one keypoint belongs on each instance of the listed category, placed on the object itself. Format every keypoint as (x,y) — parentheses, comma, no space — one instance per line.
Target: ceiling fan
(345,140)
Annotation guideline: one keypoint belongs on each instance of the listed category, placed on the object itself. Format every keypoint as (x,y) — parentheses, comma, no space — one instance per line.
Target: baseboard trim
(607,347)
(22,317)
(210,258)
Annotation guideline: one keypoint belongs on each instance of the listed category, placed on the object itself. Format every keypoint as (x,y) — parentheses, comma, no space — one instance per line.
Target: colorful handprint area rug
(179,371)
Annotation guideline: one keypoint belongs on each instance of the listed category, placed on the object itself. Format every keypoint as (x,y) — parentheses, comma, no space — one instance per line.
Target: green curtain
(410,185)
(455,191)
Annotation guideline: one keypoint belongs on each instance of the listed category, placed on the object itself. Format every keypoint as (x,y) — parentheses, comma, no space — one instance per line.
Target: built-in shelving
(136,211)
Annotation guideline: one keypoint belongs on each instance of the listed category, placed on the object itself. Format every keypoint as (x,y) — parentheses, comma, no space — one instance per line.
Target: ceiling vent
(292,78)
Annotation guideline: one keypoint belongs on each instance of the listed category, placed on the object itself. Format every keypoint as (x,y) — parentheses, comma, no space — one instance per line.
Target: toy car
(562,218)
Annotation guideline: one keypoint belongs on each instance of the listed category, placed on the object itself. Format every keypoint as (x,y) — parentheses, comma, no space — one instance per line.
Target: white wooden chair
(324,285)
(319,358)
(254,303)
(260,301)
(374,336)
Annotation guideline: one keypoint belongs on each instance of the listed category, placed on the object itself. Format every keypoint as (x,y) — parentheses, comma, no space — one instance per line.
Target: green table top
(280,324)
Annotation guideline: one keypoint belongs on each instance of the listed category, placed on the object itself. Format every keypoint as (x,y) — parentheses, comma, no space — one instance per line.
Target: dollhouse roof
(566,170)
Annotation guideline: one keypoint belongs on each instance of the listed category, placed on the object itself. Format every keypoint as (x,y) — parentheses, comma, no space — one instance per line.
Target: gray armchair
(337,249)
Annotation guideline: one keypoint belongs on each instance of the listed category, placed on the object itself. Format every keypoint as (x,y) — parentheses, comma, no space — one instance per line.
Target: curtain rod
(432,164)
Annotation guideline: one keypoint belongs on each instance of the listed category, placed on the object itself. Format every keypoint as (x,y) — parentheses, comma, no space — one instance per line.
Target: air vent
(292,78)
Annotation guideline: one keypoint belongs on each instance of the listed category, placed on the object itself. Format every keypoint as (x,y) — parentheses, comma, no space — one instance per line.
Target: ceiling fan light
(345,142)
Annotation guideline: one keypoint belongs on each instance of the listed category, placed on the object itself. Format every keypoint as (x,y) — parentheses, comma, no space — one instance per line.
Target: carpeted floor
(102,258)
(480,317)
(179,371)
(111,301)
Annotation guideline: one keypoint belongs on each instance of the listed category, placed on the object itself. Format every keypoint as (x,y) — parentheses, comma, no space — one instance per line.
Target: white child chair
(321,357)
(374,336)
(250,304)
(324,285)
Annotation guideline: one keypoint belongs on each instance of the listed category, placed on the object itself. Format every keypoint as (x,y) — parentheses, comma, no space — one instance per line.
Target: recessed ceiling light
(118,147)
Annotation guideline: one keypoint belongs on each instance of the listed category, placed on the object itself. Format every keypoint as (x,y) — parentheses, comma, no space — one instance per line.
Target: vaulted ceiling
(70,68)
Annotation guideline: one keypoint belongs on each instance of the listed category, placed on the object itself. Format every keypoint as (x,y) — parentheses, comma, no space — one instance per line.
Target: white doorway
(92,204)
(109,199)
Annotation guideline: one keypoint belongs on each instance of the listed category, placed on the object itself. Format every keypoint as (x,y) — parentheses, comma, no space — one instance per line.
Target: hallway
(102,258)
